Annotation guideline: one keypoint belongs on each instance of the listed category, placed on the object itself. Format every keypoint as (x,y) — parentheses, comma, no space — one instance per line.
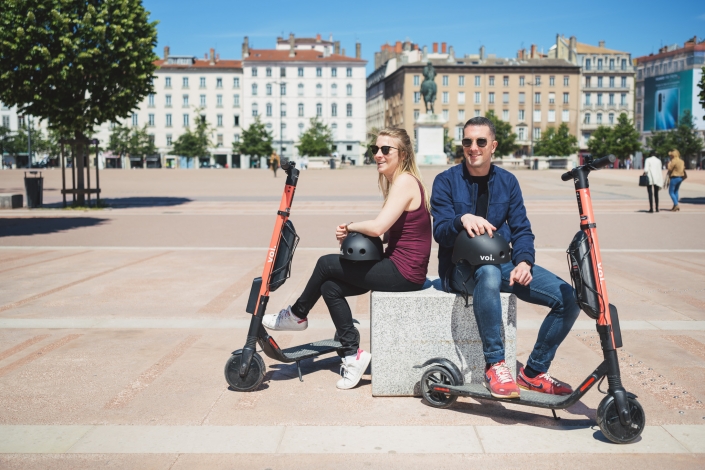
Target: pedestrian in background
(274,161)
(676,175)
(652,169)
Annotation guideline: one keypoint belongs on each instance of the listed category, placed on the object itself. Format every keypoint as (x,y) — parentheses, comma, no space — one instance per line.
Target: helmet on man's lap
(481,249)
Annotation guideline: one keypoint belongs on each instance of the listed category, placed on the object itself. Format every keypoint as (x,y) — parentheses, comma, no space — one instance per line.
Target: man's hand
(476,225)
(521,274)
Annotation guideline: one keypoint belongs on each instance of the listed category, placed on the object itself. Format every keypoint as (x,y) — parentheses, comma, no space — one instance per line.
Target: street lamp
(531,131)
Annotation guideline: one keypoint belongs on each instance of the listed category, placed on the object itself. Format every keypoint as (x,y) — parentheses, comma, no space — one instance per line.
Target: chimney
(482,52)
(318,38)
(601,44)
(533,51)
(435,48)
(573,50)
(451,54)
(443,48)
(397,47)
(407,45)
(342,52)
(217,58)
(424,53)
(358,50)
(336,47)
(292,45)
(245,48)
(212,57)
(166,52)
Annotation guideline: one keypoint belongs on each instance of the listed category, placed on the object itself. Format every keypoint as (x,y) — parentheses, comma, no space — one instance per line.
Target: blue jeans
(545,289)
(673,188)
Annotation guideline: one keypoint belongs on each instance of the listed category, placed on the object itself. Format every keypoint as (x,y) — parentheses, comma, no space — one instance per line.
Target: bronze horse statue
(428,87)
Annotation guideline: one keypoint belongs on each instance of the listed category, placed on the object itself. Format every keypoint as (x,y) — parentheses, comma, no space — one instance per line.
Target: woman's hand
(341,232)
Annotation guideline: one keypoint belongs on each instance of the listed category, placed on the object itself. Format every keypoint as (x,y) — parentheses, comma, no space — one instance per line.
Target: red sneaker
(499,381)
(543,383)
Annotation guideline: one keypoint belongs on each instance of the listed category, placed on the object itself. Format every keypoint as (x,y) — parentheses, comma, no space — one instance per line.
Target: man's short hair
(481,121)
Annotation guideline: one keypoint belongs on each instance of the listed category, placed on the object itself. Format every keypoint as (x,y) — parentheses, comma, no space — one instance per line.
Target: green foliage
(194,144)
(256,141)
(625,138)
(16,143)
(659,143)
(134,142)
(701,85)
(600,142)
(556,142)
(316,141)
(685,137)
(506,139)
(76,63)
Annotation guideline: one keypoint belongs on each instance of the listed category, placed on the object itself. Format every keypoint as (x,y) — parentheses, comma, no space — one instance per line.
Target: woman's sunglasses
(385,149)
(481,142)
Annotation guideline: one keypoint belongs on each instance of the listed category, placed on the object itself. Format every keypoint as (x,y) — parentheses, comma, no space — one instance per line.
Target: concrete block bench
(409,328)
(10,201)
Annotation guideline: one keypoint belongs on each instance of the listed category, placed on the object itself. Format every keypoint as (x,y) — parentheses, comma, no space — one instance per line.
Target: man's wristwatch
(346,226)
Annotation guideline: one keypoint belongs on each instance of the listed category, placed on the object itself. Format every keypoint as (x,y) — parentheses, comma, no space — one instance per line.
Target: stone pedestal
(10,201)
(429,137)
(409,328)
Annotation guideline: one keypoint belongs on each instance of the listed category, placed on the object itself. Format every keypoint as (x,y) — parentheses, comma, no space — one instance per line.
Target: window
(334,110)
(521,131)
(348,72)
(334,128)
(461,115)
(477,112)
(168,140)
(268,71)
(566,80)
(505,80)
(333,71)
(300,72)
(551,115)
(150,100)
(300,89)
(348,110)
(202,82)
(611,64)
(551,98)
(219,120)
(477,97)
(268,108)
(167,82)
(319,109)
(461,80)
(236,82)
(611,98)
(521,80)
(269,89)
(522,117)
(319,72)
(552,81)
(537,133)
(566,98)
(537,97)
(416,114)
(168,120)
(587,118)
(459,133)
(522,97)
(282,89)
(417,80)
(219,140)
(537,80)
(254,89)
(150,120)
(283,130)
(491,80)
(565,115)
(167,99)
(445,114)
(185,120)
(348,89)
(610,118)
(445,80)
(599,118)
(599,99)
(491,97)
(417,97)
(236,120)
(184,102)
(254,110)
(477,80)
(623,99)
(282,109)
(624,64)
(254,71)
(236,101)
(445,97)
(624,82)
(301,110)
(611,82)
(282,71)
(537,115)
(184,82)
(203,100)
(599,64)
(588,96)
(219,101)
(461,97)
(319,89)
(588,64)
(587,82)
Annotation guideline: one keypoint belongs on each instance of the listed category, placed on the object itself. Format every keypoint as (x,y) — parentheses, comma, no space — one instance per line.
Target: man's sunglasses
(481,142)
(385,149)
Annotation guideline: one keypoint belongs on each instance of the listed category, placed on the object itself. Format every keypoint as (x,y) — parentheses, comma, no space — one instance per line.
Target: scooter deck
(527,398)
(305,351)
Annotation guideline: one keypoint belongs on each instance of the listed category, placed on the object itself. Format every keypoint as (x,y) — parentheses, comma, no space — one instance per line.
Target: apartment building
(300,79)
(11,121)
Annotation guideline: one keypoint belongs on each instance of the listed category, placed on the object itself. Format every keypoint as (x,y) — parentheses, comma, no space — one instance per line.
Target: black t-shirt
(482,195)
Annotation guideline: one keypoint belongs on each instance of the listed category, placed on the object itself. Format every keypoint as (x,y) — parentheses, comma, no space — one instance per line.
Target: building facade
(302,79)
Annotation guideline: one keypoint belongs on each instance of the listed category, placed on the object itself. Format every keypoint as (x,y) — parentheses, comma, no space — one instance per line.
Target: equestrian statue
(428,87)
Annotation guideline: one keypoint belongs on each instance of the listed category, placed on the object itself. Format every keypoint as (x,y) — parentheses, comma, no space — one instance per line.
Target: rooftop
(590,49)
(273,55)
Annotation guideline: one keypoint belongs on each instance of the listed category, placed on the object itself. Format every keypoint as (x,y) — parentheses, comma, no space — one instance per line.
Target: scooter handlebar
(287,164)
(594,165)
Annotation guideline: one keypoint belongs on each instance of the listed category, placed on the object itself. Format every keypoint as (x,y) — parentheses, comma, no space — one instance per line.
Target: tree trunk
(79,163)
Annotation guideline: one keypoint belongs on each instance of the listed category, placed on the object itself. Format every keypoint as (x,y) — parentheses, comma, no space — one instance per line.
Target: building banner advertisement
(667,97)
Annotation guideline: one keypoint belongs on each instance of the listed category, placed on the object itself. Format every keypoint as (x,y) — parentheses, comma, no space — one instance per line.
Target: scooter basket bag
(285,254)
(582,275)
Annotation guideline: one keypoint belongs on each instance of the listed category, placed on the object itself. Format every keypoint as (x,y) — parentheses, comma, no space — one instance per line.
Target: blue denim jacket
(454,195)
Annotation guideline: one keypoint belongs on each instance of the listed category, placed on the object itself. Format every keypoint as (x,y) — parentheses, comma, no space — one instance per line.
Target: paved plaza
(115,325)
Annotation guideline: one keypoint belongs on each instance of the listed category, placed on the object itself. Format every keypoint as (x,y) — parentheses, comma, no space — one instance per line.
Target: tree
(75,63)
(316,141)
(685,138)
(557,142)
(659,143)
(600,143)
(256,141)
(119,142)
(701,85)
(506,139)
(194,144)
(625,138)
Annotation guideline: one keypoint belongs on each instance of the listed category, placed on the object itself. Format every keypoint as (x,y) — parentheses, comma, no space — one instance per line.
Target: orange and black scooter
(245,369)
(619,415)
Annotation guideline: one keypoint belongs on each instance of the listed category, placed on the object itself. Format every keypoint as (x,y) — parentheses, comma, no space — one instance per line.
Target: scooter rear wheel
(612,428)
(437,375)
(254,377)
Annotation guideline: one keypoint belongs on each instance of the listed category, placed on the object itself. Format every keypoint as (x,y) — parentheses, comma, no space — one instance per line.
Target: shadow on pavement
(124,202)
(11,227)
(692,200)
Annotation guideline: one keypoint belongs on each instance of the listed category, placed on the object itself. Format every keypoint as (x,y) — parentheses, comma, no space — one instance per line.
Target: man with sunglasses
(480,198)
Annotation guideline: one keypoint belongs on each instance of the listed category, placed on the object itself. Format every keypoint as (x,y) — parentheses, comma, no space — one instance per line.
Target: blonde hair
(407,162)
(675,154)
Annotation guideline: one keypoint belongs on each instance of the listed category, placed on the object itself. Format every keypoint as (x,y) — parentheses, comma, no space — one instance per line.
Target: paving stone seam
(37,354)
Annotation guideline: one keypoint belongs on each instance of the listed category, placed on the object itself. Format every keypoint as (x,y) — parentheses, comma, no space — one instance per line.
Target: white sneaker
(284,321)
(352,369)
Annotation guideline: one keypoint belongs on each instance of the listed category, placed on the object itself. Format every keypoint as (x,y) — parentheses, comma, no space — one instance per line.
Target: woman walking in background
(652,169)
(676,175)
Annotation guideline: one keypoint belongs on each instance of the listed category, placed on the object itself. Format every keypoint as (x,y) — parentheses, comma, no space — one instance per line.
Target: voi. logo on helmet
(487,258)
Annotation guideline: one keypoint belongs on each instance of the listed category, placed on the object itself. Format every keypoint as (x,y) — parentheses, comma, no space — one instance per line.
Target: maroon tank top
(409,245)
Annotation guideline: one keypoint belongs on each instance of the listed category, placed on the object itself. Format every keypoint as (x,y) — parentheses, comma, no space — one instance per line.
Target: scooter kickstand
(298,367)
(554,415)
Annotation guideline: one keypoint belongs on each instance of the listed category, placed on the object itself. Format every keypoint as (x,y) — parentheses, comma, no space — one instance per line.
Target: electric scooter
(245,369)
(619,415)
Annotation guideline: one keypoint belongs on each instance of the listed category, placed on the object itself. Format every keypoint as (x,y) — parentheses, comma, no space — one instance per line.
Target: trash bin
(34,186)
(332,163)
(536,163)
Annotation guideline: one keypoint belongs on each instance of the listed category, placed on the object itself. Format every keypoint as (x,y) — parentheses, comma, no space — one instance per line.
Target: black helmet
(481,249)
(360,247)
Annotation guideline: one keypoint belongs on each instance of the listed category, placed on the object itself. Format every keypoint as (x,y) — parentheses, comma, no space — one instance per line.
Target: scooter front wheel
(254,377)
(437,375)
(612,428)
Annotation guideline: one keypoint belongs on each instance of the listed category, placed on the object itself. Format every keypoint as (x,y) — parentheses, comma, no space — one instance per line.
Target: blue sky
(639,27)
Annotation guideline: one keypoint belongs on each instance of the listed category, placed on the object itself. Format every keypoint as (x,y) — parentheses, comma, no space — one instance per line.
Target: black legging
(655,195)
(335,278)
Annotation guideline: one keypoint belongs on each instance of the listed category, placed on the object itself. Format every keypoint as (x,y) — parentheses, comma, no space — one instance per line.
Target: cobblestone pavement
(115,325)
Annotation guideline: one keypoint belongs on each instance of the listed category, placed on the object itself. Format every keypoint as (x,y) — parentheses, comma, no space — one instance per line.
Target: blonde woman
(405,223)
(676,175)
